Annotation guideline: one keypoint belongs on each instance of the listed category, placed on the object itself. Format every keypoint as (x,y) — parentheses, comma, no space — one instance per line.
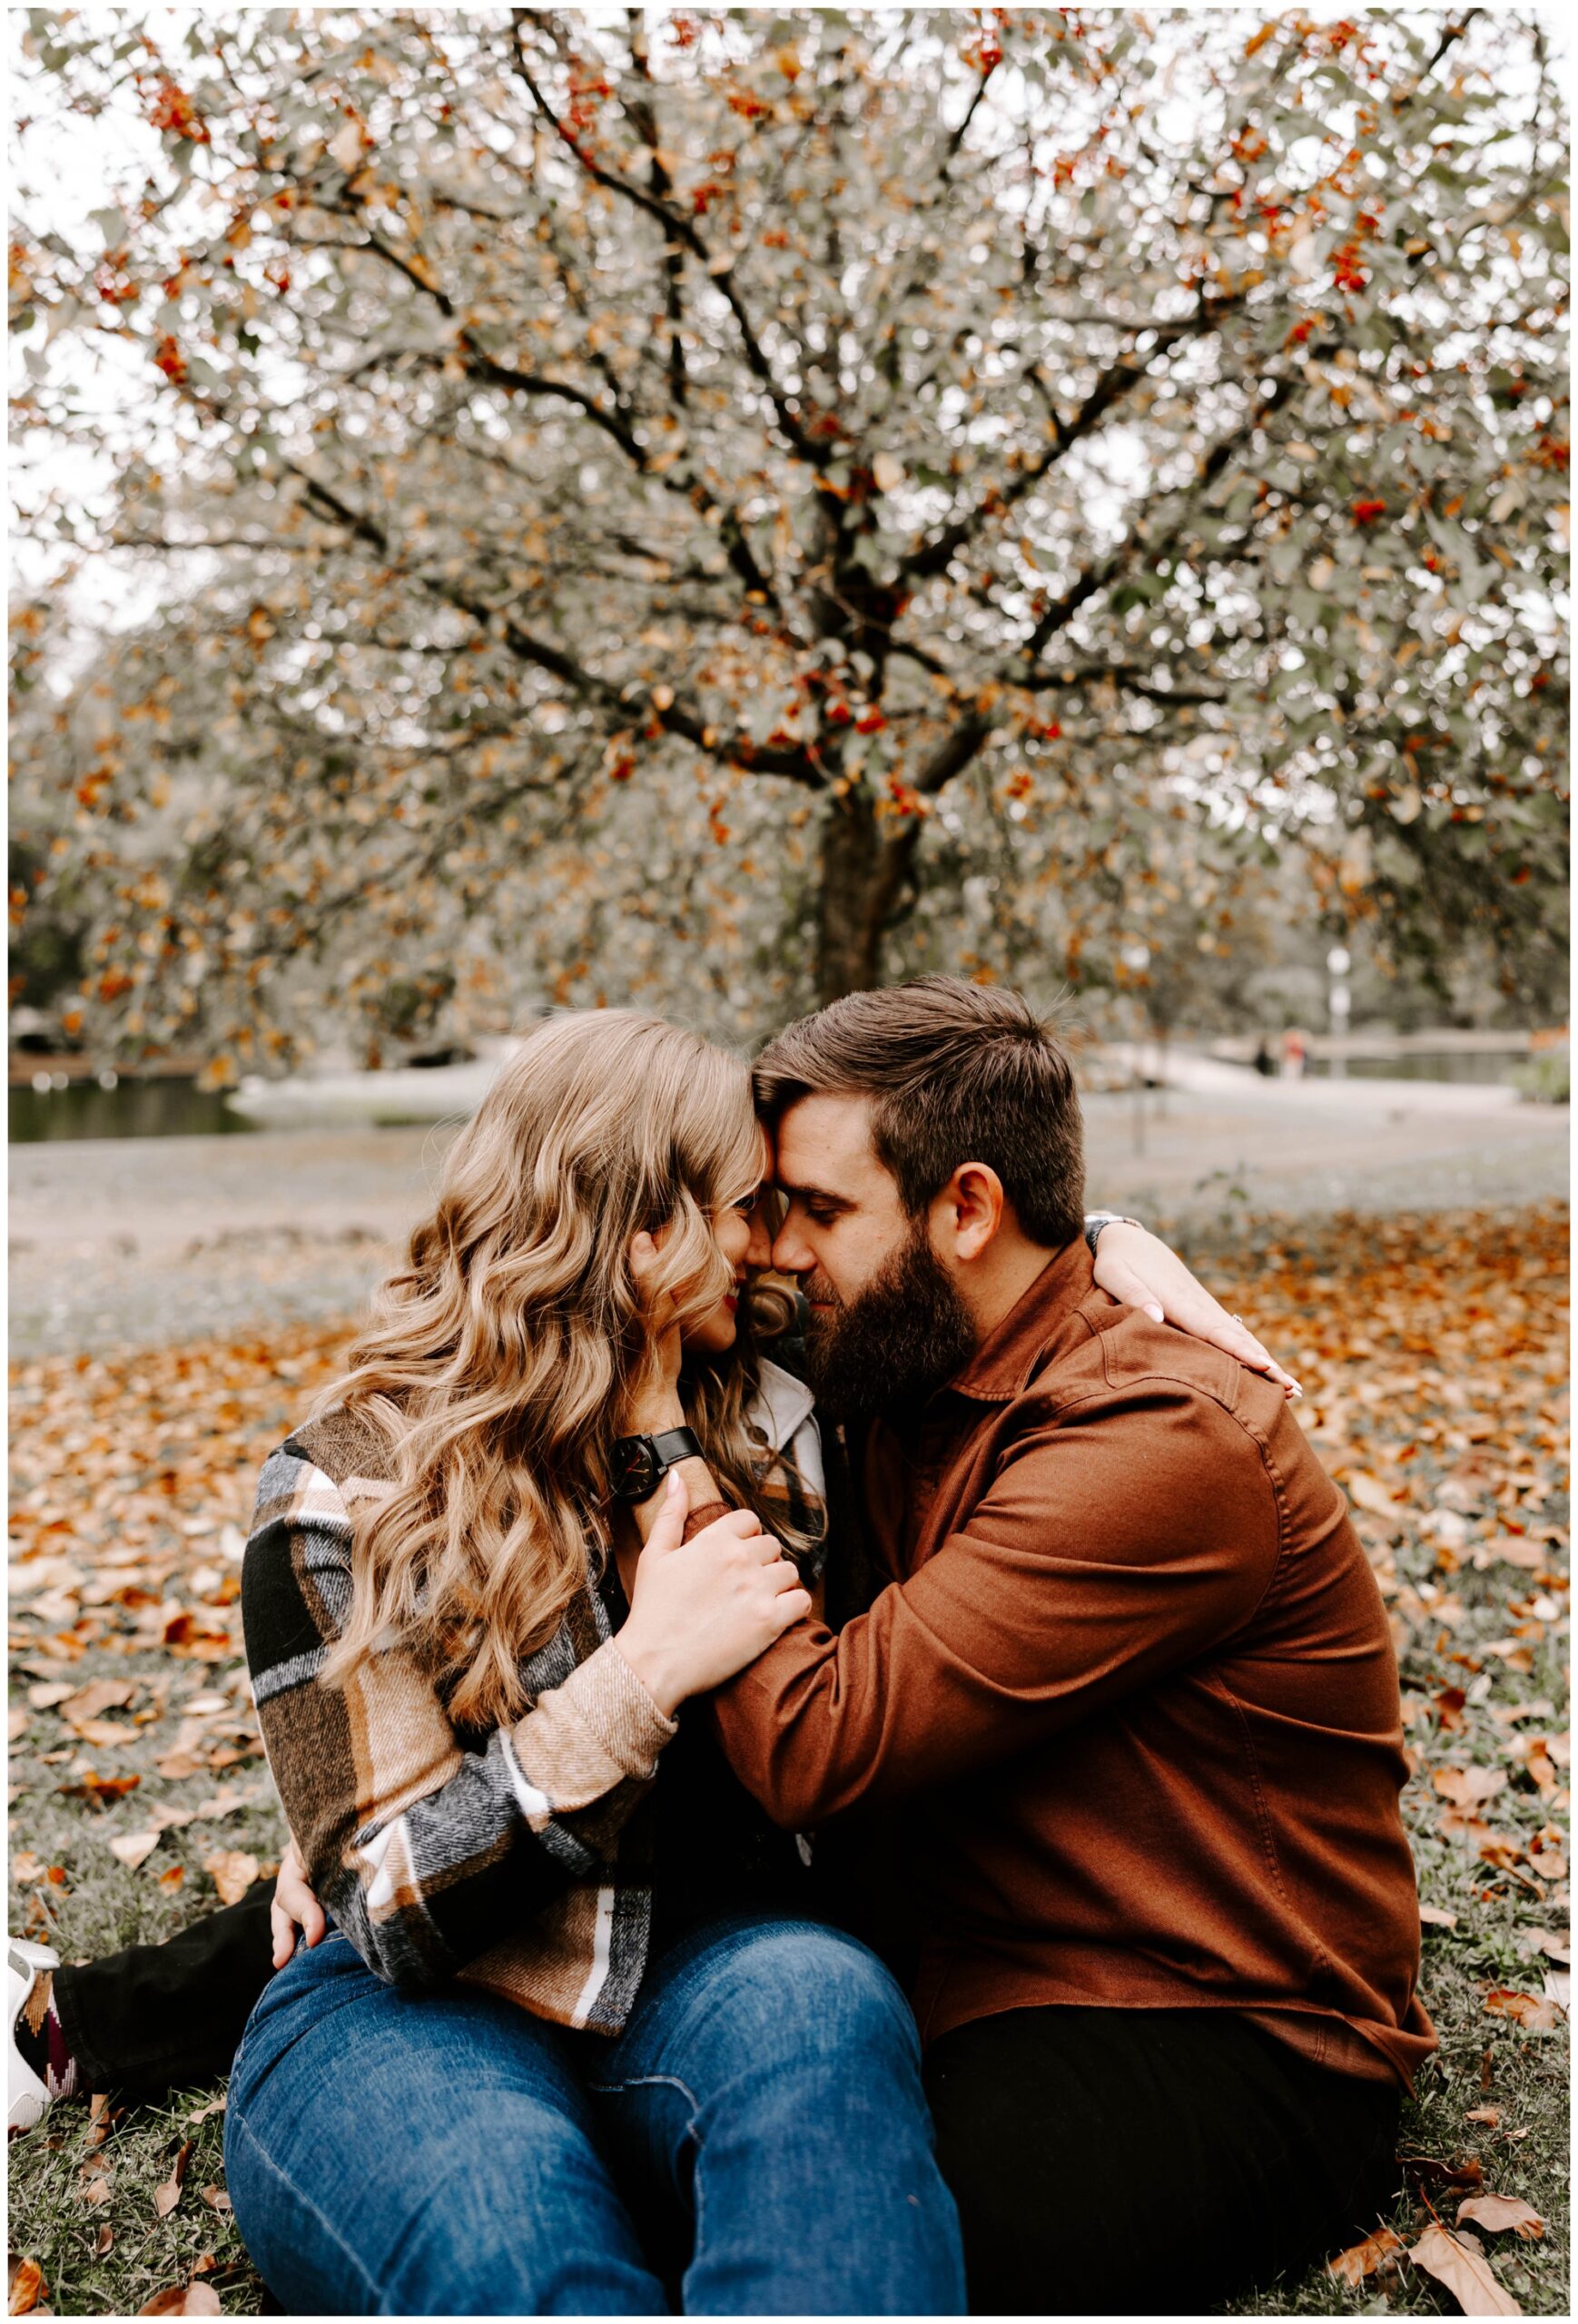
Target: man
(1124,1720)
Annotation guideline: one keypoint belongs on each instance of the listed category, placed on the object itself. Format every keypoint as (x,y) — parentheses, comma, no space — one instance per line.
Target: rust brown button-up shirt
(1131,1694)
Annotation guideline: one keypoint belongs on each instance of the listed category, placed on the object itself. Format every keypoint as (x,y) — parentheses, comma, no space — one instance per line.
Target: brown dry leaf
(134,1847)
(216,2198)
(173,1878)
(184,2299)
(107,1734)
(27,1869)
(104,2242)
(1466,2276)
(96,1789)
(1361,2259)
(26,2283)
(1372,1494)
(1489,2115)
(97,2190)
(167,2196)
(51,1692)
(1534,2017)
(1514,1550)
(1499,2214)
(214,2106)
(233,1872)
(17,1723)
(98,1695)
(1433,1917)
(1469,1787)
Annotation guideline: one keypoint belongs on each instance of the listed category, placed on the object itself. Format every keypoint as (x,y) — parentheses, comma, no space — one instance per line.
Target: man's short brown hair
(955,1072)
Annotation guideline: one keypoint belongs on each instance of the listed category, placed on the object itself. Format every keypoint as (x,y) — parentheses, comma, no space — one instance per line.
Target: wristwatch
(641,1462)
(1096,1219)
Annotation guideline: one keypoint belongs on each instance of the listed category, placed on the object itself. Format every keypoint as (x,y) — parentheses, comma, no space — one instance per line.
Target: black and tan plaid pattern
(519,1860)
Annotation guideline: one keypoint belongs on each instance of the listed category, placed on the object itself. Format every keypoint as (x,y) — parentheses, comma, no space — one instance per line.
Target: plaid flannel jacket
(520,1860)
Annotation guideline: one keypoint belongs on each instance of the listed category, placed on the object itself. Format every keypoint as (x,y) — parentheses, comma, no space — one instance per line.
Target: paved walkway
(146,1240)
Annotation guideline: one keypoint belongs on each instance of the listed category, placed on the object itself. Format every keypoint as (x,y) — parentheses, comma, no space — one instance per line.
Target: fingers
(790,1607)
(1234,1336)
(1131,1288)
(282,1930)
(668,1531)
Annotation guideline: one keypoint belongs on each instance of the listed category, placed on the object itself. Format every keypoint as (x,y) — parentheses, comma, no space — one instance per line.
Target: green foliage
(665,507)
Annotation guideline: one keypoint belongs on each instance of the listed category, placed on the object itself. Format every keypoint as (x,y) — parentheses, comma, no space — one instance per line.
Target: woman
(620,1970)
(572,2048)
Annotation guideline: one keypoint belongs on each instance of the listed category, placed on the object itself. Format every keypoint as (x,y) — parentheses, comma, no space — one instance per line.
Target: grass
(1500,1408)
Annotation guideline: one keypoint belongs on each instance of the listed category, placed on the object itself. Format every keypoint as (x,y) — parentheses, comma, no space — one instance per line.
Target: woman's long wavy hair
(500,1360)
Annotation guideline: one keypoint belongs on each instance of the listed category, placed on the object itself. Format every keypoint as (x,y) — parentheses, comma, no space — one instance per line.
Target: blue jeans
(755,2142)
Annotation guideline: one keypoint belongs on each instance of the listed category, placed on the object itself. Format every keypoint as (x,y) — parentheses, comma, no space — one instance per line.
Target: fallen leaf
(1433,1917)
(98,1695)
(96,2192)
(184,2299)
(27,1869)
(216,2198)
(96,1789)
(168,2195)
(233,1872)
(1466,2276)
(1559,1987)
(1489,2115)
(104,2241)
(214,2106)
(1514,1551)
(1361,2259)
(1469,1787)
(1502,2214)
(26,2285)
(1534,2016)
(173,1878)
(134,1847)
(1370,1494)
(51,1691)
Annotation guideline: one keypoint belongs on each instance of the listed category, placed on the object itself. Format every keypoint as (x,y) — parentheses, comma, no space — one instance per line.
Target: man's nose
(790,1256)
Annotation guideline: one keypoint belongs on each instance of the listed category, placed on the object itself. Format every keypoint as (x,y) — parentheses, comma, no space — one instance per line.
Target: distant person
(1265,1063)
(1293,1056)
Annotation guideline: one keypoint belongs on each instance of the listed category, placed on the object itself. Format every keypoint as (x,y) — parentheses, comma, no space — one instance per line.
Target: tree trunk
(862,870)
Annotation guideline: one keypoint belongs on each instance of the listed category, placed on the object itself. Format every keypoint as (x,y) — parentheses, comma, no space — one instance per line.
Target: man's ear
(968,1212)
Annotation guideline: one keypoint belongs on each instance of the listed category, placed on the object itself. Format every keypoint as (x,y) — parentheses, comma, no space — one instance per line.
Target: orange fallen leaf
(184,2299)
(233,1872)
(1469,1787)
(1467,2277)
(168,2195)
(104,2242)
(216,2198)
(1502,2214)
(1361,2259)
(174,1878)
(1489,2115)
(26,2284)
(1433,1917)
(1533,2015)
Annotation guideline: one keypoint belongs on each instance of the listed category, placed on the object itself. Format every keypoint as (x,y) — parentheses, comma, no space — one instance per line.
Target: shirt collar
(1044,1315)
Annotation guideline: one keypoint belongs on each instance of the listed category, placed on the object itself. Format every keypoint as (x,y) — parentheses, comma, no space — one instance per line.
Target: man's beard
(903,1335)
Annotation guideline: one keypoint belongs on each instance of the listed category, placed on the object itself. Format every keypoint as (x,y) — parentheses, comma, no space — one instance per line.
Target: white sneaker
(28,2094)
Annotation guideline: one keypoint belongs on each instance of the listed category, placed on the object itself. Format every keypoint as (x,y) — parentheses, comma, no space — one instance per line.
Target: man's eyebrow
(814,1194)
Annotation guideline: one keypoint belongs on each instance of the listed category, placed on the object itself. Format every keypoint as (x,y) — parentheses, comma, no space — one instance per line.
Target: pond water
(170,1107)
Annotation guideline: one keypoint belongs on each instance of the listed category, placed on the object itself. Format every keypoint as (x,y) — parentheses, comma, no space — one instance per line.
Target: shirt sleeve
(1106,1551)
(424,1853)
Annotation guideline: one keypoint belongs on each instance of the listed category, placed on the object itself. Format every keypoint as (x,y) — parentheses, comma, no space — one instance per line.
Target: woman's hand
(701,1609)
(657,1406)
(1138,1268)
(295,1907)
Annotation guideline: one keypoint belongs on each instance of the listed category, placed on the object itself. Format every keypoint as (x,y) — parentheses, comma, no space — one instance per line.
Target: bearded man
(1121,1725)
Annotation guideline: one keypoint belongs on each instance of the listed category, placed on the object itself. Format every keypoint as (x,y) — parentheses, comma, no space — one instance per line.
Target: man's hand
(1138,1268)
(295,1907)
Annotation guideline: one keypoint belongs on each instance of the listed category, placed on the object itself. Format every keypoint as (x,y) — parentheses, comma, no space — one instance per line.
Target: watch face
(635,1468)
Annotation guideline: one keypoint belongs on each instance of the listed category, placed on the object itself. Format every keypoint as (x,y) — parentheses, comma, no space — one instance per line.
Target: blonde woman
(573,2046)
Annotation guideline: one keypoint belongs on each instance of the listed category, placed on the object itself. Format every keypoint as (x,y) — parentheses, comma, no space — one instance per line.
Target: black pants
(162,2017)
(1156,2162)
